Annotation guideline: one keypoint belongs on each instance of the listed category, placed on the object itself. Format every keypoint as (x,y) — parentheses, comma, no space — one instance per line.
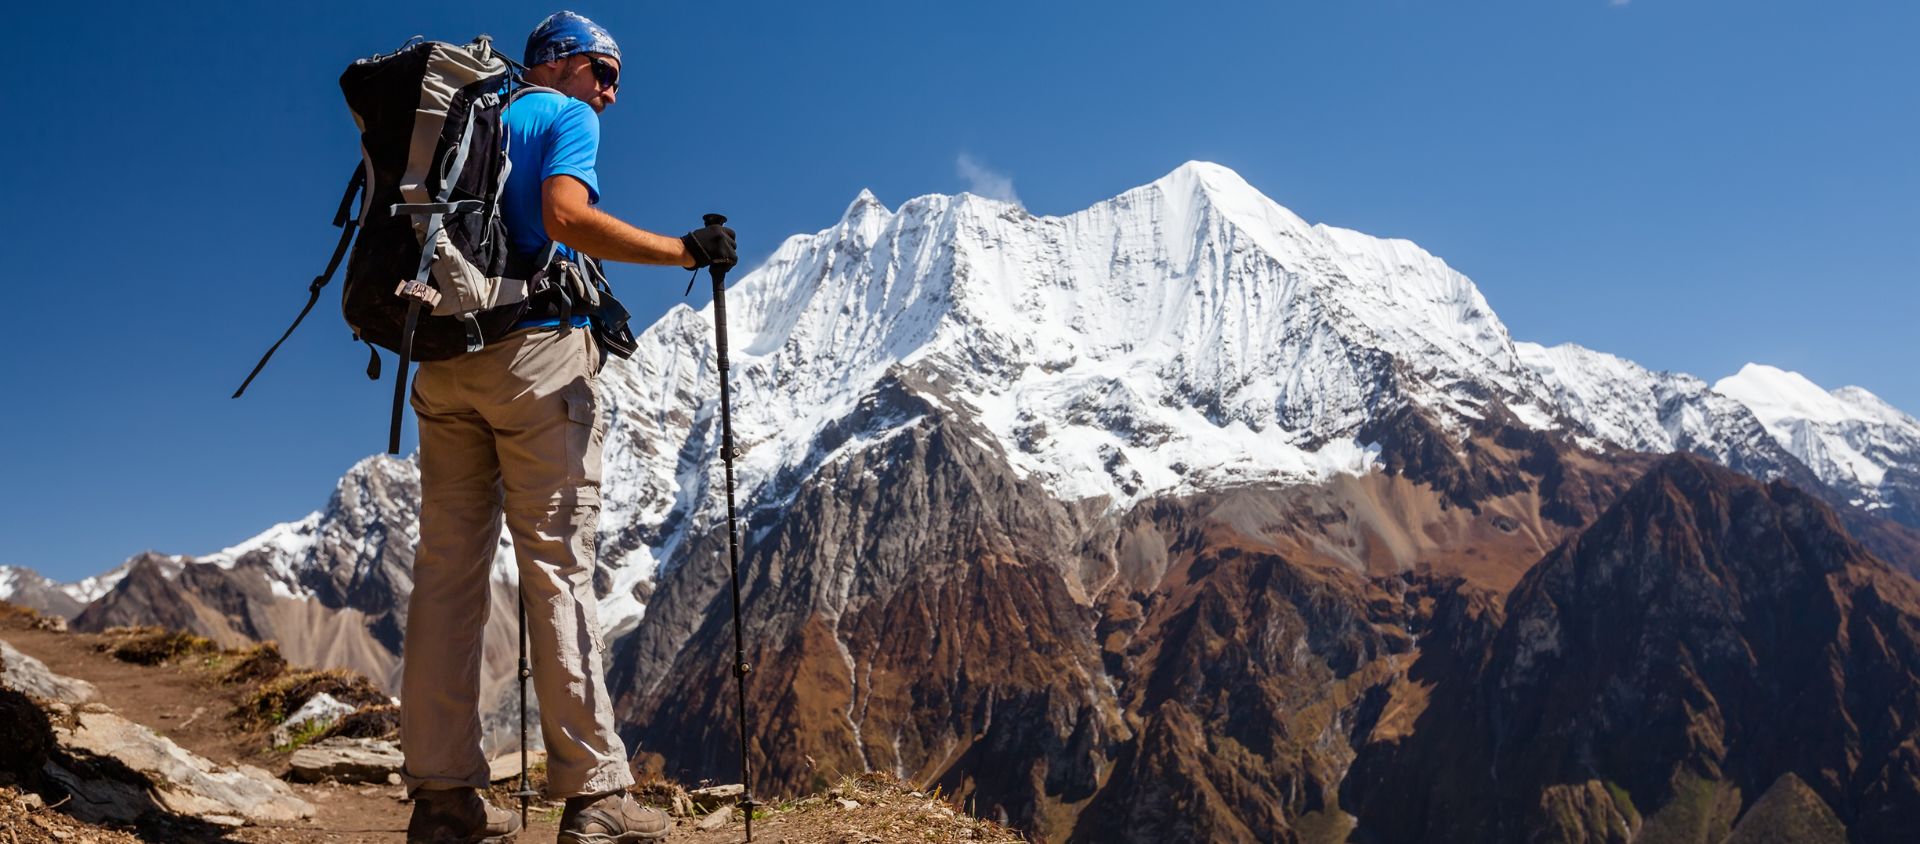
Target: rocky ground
(153,736)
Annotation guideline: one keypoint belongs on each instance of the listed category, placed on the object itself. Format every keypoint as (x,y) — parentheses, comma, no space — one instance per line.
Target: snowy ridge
(286,548)
(1619,403)
(1759,421)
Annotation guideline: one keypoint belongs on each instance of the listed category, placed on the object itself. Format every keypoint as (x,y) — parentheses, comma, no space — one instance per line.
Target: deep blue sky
(1689,184)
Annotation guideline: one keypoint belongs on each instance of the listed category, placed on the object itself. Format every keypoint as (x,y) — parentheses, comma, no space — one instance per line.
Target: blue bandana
(565,34)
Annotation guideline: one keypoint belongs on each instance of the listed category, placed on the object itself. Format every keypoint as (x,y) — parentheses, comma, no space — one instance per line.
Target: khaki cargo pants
(513,424)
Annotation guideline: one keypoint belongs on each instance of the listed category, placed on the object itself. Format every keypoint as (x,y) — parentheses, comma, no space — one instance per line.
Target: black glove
(713,245)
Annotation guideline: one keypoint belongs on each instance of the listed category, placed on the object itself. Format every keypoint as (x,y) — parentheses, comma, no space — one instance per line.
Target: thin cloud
(1618,2)
(984,181)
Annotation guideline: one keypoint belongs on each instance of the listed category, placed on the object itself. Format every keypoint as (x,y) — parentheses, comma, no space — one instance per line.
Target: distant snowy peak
(1780,397)
(28,588)
(1847,435)
(16,580)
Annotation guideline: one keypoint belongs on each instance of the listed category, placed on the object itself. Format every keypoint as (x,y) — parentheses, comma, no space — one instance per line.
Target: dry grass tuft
(153,645)
(274,701)
(370,722)
(258,664)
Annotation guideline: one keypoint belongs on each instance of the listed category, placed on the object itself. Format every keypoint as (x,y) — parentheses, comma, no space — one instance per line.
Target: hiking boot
(459,816)
(611,819)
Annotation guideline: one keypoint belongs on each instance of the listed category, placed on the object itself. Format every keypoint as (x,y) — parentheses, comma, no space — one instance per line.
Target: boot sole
(503,838)
(496,839)
(598,838)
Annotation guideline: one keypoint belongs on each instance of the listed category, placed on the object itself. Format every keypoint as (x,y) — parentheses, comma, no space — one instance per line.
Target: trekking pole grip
(716,271)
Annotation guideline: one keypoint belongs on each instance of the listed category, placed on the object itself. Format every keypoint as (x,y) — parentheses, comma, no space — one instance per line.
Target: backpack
(433,165)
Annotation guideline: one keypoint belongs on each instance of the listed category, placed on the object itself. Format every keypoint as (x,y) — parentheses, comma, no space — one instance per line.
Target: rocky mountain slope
(1707,641)
(1142,508)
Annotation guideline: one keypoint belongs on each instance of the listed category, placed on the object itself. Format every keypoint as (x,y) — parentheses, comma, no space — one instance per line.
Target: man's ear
(546,74)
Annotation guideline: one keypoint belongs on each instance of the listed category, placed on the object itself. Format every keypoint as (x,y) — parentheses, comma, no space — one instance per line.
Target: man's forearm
(571,219)
(606,237)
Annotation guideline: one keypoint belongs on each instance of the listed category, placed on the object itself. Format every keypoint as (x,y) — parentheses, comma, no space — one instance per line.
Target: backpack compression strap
(347,226)
(435,212)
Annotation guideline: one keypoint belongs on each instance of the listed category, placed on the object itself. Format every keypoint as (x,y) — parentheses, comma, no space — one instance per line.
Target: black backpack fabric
(433,165)
(434,162)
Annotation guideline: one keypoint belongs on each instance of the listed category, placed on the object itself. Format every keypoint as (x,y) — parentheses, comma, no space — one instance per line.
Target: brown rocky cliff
(1661,670)
(913,610)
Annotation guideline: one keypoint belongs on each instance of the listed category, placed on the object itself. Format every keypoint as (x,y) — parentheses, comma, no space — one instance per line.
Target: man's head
(576,57)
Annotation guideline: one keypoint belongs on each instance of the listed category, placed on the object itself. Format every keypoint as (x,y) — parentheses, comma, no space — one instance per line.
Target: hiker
(515,427)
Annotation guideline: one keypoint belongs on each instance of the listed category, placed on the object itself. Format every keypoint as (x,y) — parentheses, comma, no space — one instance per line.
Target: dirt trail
(184,700)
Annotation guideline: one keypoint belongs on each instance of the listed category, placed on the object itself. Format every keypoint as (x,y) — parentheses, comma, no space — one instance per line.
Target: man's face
(590,78)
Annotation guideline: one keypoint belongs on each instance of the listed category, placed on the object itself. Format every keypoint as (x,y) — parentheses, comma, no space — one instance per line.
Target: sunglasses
(605,73)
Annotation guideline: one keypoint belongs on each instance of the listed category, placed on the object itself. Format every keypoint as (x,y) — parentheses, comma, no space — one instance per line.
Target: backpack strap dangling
(347,226)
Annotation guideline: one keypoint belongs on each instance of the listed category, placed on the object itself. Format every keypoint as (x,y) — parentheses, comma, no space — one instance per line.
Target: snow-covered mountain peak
(1185,333)
(1198,187)
(1776,394)
(1848,436)
(865,214)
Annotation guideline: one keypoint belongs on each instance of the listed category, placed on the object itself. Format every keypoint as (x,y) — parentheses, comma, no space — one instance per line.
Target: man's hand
(711,246)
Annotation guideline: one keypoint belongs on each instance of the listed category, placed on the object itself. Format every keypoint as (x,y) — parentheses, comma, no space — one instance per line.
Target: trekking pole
(526,786)
(740,665)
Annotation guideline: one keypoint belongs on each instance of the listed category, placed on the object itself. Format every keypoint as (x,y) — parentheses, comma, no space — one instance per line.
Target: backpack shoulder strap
(530,89)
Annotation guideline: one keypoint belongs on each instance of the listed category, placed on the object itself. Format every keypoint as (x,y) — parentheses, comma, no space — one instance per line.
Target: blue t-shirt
(548,135)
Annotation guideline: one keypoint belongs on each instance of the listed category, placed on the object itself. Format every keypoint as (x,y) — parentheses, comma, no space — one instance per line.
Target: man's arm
(572,220)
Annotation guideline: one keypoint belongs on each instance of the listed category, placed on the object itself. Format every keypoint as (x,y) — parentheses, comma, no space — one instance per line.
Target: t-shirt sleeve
(575,147)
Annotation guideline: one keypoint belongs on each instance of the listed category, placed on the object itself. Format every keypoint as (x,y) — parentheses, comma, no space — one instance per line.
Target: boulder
(178,780)
(348,760)
(23,673)
(322,709)
(507,767)
(713,797)
(720,817)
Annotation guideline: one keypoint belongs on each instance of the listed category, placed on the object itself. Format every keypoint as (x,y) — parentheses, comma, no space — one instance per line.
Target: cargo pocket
(584,430)
(580,406)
